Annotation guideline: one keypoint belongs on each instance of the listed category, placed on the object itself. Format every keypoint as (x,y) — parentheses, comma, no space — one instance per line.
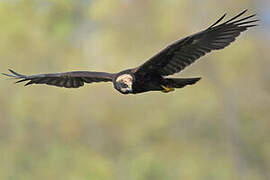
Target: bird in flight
(151,75)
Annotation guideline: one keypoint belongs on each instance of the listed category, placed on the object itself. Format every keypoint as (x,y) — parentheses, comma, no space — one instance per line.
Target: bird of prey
(151,75)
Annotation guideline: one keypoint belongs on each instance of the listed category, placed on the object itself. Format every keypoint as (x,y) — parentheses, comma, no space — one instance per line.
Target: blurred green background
(216,129)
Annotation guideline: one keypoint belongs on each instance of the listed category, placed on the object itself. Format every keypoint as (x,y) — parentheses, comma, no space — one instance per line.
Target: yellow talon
(166,89)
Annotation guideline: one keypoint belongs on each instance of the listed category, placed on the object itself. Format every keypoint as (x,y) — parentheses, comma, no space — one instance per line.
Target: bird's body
(151,75)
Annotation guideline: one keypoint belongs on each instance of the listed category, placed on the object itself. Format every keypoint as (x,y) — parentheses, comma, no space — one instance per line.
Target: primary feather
(184,52)
(73,79)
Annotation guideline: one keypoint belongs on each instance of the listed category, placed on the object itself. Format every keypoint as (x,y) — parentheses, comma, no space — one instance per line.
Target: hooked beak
(129,88)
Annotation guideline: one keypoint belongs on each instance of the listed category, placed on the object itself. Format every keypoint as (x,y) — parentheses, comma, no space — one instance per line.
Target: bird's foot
(166,89)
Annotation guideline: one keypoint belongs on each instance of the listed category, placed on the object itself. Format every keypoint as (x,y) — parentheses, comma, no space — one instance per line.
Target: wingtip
(29,83)
(224,15)
(237,16)
(245,10)
(22,80)
(219,20)
(10,70)
(8,75)
(15,73)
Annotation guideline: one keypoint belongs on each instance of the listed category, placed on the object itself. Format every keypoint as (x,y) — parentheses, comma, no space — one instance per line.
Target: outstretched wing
(184,52)
(73,79)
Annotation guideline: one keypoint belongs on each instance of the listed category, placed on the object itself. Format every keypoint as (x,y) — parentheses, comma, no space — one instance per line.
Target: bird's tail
(180,82)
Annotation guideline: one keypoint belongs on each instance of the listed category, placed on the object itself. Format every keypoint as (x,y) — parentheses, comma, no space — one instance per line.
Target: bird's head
(123,83)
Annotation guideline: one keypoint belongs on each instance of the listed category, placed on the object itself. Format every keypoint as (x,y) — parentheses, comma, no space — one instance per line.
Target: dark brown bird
(151,75)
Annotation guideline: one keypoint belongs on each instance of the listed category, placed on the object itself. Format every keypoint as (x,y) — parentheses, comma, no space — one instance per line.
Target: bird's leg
(166,89)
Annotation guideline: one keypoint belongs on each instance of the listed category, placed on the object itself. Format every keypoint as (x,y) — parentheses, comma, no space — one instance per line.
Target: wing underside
(72,79)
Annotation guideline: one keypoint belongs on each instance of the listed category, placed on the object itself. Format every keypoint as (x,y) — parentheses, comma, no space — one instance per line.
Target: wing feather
(72,79)
(184,52)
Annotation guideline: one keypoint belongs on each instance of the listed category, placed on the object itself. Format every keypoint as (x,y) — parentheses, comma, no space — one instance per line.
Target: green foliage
(217,129)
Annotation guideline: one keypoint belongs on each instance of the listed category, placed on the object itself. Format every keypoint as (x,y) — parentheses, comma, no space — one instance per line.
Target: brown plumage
(150,76)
